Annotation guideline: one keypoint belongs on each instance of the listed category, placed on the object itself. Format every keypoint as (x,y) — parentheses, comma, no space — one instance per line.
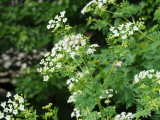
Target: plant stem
(100,108)
(87,68)
(111,70)
(146,35)
(140,114)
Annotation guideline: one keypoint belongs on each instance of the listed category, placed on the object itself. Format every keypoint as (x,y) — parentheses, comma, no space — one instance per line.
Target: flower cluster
(75,113)
(99,3)
(123,30)
(92,49)
(72,97)
(144,74)
(58,21)
(68,48)
(12,107)
(107,94)
(124,116)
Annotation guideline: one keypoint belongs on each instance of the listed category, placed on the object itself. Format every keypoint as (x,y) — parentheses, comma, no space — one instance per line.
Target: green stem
(87,68)
(86,86)
(111,70)
(140,114)
(100,107)
(146,35)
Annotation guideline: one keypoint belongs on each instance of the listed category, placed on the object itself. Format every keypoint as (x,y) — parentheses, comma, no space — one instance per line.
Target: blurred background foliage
(23,31)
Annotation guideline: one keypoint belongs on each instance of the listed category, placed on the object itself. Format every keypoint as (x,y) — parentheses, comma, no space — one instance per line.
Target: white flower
(136,79)
(128,24)
(72,54)
(94,45)
(107,92)
(51,21)
(21,107)
(45,55)
(77,48)
(121,26)
(111,28)
(83,42)
(116,35)
(71,99)
(118,64)
(53,53)
(59,56)
(135,28)
(8,94)
(52,69)
(45,78)
(68,81)
(158,74)
(152,70)
(69,50)
(90,51)
(56,17)
(21,100)
(65,20)
(62,13)
(104,1)
(57,25)
(10,101)
(115,31)
(72,114)
(1,115)
(117,117)
(123,32)
(39,69)
(124,37)
(5,110)
(48,26)
(52,26)
(8,117)
(100,4)
(42,61)
(85,8)
(71,85)
(110,95)
(131,32)
(149,76)
(15,112)
(58,65)
(16,96)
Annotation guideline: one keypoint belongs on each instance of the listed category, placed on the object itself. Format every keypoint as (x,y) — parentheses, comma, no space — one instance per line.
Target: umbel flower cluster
(150,74)
(123,30)
(99,3)
(125,116)
(58,21)
(69,48)
(12,107)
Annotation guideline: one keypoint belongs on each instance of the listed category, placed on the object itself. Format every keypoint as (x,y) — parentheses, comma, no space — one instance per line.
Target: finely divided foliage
(87,92)
(102,81)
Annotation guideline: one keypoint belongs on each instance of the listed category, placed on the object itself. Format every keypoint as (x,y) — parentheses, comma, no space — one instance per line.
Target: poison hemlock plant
(95,94)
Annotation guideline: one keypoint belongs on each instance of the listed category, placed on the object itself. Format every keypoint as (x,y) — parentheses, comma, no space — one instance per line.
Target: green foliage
(31,85)
(105,83)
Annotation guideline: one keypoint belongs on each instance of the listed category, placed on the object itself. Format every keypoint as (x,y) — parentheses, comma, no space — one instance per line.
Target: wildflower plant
(17,108)
(95,92)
